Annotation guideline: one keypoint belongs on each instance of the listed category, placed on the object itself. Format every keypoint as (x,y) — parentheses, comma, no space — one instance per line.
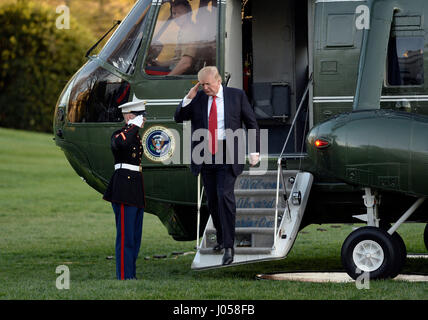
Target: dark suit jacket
(237,110)
(126,186)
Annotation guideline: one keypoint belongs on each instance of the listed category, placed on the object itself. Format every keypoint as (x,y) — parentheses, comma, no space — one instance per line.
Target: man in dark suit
(219,111)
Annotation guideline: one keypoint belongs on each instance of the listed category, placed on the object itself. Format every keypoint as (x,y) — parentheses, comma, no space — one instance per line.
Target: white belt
(127,166)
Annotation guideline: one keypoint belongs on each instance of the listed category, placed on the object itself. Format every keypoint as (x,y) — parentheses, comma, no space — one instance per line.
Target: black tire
(426,236)
(401,256)
(381,252)
(400,249)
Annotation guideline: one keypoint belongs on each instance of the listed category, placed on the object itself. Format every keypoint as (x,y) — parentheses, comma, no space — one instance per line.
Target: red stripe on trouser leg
(122,247)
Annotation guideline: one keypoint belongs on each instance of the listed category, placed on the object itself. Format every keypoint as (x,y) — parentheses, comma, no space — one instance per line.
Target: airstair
(268,217)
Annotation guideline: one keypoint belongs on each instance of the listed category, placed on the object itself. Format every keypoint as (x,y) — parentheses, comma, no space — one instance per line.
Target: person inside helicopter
(190,44)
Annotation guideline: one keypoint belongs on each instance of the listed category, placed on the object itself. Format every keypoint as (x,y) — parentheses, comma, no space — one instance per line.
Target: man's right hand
(192,93)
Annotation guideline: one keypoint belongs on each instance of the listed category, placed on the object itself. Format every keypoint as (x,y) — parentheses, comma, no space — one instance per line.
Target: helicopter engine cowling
(382,149)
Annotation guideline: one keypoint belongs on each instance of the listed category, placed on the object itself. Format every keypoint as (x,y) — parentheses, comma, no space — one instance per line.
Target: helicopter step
(263,230)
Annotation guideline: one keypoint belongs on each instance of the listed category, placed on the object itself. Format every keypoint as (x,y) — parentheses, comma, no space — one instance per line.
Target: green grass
(50,217)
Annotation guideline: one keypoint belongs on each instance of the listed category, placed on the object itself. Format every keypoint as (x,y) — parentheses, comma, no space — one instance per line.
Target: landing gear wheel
(426,236)
(400,256)
(400,249)
(371,250)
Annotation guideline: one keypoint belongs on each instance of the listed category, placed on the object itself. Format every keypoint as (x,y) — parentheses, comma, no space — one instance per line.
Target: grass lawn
(50,217)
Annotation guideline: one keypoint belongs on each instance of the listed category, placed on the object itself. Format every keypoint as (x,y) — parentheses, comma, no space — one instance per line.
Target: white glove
(138,121)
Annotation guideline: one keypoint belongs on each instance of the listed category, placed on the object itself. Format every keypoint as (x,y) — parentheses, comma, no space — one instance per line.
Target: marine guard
(125,190)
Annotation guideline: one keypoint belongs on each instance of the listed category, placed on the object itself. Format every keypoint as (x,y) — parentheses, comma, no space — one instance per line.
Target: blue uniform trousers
(129,228)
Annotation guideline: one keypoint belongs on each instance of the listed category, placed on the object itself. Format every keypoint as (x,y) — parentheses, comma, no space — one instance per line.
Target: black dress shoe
(218,248)
(228,256)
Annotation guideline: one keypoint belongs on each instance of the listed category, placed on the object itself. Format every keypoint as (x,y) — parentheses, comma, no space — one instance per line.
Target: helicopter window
(184,38)
(340,30)
(121,50)
(406,61)
(96,96)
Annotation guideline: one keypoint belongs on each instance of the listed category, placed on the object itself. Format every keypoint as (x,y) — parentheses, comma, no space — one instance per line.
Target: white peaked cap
(133,106)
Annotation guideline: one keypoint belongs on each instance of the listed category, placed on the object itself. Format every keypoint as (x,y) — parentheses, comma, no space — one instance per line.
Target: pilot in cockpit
(185,52)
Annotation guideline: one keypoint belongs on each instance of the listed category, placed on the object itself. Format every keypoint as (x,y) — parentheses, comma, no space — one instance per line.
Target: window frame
(142,60)
(387,73)
(95,65)
(108,65)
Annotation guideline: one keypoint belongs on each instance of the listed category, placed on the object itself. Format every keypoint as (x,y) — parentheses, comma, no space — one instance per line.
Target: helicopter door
(233,44)
(276,67)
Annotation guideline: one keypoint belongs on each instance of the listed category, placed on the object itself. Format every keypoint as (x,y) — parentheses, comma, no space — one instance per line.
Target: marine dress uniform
(126,193)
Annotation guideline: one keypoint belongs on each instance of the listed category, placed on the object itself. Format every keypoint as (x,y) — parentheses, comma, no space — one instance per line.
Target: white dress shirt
(220,113)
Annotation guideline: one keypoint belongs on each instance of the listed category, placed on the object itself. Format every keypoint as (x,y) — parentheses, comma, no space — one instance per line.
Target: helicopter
(337,87)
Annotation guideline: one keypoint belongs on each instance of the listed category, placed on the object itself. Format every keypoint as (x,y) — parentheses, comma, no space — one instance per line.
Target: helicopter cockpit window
(406,61)
(96,96)
(122,49)
(184,39)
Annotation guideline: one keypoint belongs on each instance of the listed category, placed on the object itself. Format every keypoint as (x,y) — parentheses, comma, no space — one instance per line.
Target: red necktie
(212,128)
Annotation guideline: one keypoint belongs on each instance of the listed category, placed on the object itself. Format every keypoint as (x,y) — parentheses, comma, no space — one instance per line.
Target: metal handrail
(295,116)
(200,195)
(279,162)
(275,221)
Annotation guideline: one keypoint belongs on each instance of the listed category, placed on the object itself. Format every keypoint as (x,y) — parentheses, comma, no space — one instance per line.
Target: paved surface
(338,277)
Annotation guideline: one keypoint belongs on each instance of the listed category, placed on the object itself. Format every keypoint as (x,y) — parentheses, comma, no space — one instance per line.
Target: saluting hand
(192,93)
(138,121)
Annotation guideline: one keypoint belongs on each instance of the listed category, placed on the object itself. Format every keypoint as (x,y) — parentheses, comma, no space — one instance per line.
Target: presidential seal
(159,143)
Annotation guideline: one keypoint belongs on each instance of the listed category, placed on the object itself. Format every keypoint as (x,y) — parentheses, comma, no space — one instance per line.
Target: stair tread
(257,210)
(239,250)
(246,230)
(261,173)
(256,191)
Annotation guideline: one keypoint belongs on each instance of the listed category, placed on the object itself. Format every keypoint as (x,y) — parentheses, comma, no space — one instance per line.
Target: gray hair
(212,70)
